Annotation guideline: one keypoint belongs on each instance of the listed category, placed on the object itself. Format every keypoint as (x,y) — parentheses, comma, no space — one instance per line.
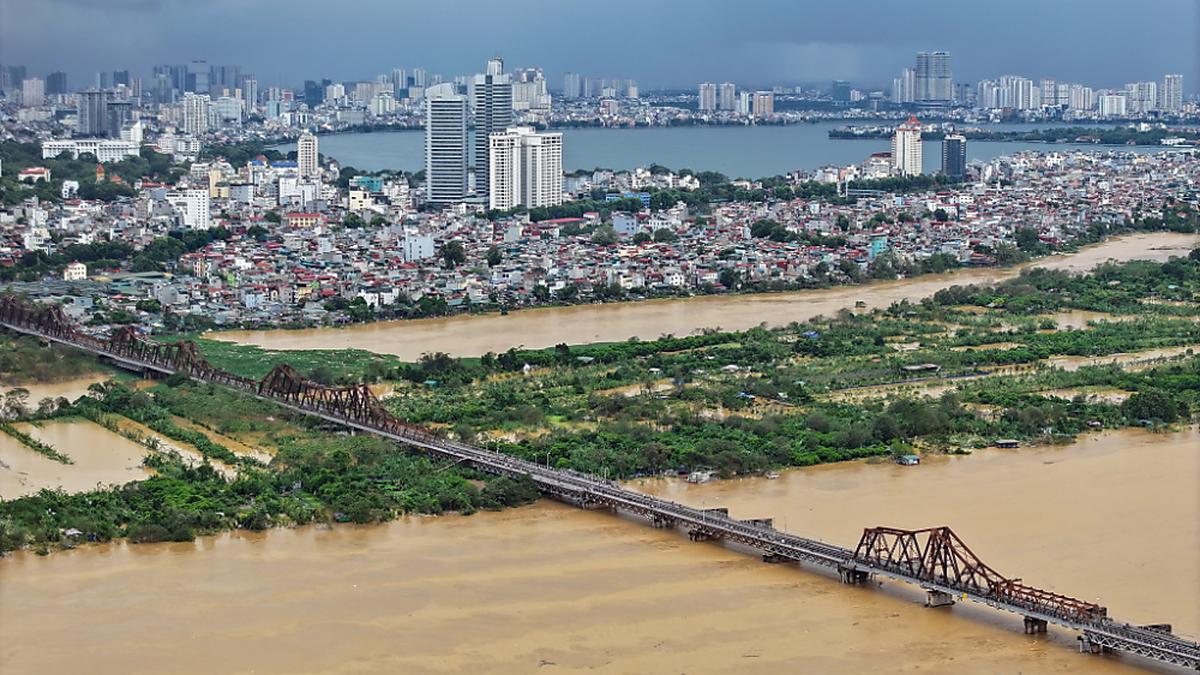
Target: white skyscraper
(728,96)
(526,169)
(708,96)
(195,113)
(493,113)
(307,162)
(906,148)
(445,145)
(1171,93)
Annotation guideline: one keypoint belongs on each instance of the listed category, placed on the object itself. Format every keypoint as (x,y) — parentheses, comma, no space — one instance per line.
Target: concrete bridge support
(936,598)
(775,558)
(851,575)
(1035,626)
(1086,646)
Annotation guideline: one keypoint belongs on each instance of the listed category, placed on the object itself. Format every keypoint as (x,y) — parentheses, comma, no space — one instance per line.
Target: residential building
(1171,93)
(75,271)
(728,97)
(33,92)
(906,148)
(572,86)
(307,157)
(193,207)
(708,97)
(526,169)
(764,103)
(195,113)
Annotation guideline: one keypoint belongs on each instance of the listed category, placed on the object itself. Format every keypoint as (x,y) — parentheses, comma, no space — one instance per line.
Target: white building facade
(525,170)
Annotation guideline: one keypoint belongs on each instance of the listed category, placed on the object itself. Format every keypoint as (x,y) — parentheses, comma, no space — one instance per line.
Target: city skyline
(710,42)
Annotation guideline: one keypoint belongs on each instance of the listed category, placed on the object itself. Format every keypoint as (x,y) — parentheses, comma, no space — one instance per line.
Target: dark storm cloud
(1102,42)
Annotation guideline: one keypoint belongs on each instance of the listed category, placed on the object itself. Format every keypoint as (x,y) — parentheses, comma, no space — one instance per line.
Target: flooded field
(100,458)
(545,327)
(554,589)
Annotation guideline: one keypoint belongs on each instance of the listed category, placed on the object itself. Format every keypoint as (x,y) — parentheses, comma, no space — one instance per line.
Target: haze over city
(1102,42)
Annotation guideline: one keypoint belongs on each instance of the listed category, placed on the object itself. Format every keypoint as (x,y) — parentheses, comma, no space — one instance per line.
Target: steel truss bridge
(933,559)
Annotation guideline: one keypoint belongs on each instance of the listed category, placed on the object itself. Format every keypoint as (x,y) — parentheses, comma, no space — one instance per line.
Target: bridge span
(934,559)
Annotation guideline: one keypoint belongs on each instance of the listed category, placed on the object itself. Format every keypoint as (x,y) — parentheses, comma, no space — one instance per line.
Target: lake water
(467,335)
(552,589)
(735,151)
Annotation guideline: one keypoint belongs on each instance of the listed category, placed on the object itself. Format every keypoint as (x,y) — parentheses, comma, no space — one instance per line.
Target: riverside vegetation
(956,371)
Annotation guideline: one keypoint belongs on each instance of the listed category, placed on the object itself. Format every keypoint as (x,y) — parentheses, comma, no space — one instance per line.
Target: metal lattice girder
(937,555)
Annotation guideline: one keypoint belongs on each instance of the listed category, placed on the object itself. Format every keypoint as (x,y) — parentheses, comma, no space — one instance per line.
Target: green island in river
(1039,358)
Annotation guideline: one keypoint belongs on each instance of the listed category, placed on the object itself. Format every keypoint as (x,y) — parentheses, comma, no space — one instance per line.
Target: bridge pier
(662,522)
(1086,646)
(700,535)
(852,575)
(1035,626)
(775,558)
(936,598)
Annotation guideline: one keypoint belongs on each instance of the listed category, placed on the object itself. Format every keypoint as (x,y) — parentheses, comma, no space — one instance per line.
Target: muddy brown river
(545,327)
(548,588)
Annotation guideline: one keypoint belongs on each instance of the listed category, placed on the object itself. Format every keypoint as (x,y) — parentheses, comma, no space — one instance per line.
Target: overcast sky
(657,42)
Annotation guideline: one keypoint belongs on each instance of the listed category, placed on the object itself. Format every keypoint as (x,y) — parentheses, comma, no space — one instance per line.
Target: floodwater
(548,326)
(100,458)
(70,389)
(549,588)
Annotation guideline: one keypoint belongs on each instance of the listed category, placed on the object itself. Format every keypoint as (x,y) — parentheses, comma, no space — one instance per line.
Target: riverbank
(543,327)
(1073,135)
(548,586)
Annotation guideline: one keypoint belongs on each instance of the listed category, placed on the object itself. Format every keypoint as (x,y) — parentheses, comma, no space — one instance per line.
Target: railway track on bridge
(935,559)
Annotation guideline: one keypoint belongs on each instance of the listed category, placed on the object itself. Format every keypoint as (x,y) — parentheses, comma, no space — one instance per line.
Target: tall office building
(631,89)
(933,78)
(33,92)
(764,103)
(116,117)
(445,145)
(1171,93)
(493,112)
(526,169)
(708,97)
(906,148)
(198,74)
(839,91)
(954,156)
(195,113)
(727,96)
(91,112)
(572,86)
(307,157)
(56,83)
